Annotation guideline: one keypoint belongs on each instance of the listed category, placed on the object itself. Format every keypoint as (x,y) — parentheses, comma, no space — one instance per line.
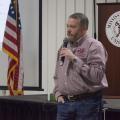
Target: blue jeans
(86,109)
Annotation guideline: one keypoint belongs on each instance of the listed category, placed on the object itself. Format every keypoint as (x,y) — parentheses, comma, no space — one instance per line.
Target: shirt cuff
(57,94)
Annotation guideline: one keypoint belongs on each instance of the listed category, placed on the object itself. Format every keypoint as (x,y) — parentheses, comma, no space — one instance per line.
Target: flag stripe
(11,20)
(11,26)
(11,38)
(11,45)
(11,32)
(11,63)
(10,51)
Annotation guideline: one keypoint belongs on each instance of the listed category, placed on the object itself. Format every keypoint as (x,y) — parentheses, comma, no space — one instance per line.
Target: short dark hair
(82,18)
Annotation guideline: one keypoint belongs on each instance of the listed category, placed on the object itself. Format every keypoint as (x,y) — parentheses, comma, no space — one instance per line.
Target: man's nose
(68,31)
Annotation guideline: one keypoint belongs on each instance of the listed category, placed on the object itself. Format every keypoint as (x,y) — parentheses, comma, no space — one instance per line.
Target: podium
(109,35)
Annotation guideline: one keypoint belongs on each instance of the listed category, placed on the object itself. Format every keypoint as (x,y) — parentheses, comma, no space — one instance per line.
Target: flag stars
(19,26)
(12,12)
(11,7)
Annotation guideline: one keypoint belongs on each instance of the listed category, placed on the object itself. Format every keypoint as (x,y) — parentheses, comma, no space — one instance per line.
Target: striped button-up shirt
(86,73)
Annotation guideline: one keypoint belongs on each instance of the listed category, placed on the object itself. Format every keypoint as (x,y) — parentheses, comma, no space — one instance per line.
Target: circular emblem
(112,29)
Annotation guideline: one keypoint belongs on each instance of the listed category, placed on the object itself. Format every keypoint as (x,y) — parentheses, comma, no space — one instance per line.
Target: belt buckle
(70,96)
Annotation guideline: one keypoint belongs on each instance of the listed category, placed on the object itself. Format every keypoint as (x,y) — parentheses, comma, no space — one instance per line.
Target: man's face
(73,29)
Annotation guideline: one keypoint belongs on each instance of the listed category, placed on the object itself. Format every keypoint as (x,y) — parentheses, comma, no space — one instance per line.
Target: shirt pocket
(81,55)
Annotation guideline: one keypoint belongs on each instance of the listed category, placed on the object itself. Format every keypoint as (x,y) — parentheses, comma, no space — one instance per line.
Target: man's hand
(67,53)
(60,99)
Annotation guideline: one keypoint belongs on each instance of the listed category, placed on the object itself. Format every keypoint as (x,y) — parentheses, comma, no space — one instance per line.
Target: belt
(81,96)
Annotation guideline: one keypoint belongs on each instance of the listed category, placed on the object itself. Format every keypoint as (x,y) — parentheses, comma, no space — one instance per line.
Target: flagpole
(94,10)
(16,14)
(48,90)
(48,93)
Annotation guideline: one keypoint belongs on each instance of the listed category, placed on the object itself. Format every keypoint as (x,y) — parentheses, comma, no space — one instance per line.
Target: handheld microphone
(65,42)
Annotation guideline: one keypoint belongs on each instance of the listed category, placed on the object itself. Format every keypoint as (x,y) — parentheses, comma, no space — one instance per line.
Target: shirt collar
(79,41)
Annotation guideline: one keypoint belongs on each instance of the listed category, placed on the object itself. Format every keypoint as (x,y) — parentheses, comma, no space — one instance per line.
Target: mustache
(69,34)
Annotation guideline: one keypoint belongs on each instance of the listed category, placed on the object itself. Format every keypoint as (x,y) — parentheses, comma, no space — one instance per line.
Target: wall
(55,14)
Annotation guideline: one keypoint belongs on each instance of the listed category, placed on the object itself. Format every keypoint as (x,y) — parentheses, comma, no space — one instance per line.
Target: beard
(72,37)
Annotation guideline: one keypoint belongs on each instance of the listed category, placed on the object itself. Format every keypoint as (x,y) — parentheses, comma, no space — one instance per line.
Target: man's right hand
(60,99)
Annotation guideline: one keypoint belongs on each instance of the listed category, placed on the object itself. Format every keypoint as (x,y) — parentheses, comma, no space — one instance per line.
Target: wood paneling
(113,66)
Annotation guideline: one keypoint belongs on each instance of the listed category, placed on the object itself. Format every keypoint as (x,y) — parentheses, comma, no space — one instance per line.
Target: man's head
(77,26)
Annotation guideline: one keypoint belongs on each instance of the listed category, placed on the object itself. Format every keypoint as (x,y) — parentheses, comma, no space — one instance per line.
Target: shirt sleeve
(56,89)
(93,70)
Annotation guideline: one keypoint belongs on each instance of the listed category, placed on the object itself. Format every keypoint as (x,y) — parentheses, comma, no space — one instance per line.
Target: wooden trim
(108,3)
(111,97)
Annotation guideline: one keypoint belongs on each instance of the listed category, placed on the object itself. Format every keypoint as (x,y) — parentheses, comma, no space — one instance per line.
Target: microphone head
(65,42)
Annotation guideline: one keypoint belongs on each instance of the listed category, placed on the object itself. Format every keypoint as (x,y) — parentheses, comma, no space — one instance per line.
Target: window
(4,6)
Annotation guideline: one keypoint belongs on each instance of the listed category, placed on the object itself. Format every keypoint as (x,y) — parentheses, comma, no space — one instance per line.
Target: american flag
(12,45)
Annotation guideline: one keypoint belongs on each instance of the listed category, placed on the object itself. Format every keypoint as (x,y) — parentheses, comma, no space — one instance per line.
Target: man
(80,78)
